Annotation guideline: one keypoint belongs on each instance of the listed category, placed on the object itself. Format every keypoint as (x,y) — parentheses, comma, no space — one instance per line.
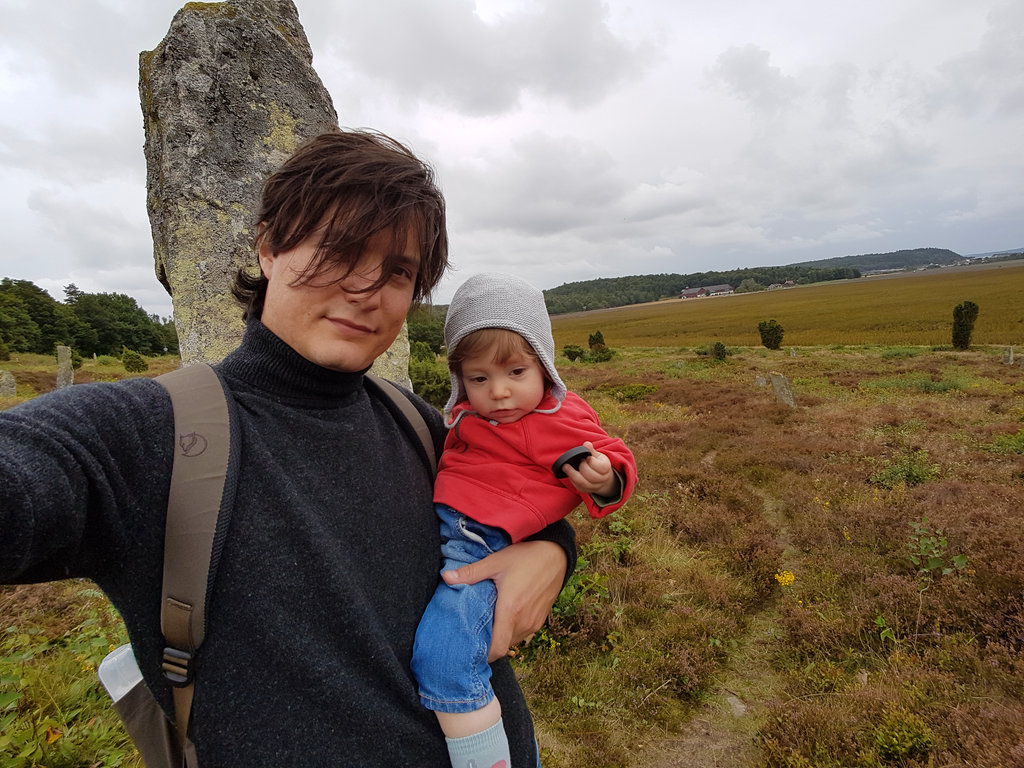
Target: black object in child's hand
(573,457)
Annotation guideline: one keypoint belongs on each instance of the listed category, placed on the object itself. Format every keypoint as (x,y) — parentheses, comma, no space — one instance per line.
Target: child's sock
(486,749)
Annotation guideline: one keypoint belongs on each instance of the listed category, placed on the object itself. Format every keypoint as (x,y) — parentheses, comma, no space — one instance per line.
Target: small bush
(628,393)
(5,351)
(107,360)
(420,350)
(574,352)
(430,381)
(902,736)
(596,339)
(600,355)
(718,351)
(76,359)
(771,333)
(964,315)
(132,361)
(1008,443)
(906,468)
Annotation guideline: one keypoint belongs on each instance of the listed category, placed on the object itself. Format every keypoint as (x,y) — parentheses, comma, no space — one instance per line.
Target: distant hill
(996,254)
(869,262)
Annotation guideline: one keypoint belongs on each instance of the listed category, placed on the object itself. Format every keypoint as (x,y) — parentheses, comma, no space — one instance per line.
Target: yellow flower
(846,534)
(785,578)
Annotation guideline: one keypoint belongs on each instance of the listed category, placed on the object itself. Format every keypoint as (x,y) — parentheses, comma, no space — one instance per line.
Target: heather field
(839,583)
(836,584)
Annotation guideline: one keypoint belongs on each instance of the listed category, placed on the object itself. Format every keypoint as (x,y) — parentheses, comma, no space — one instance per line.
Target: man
(332,548)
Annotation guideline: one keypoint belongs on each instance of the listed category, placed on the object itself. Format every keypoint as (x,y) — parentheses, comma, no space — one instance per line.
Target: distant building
(708,290)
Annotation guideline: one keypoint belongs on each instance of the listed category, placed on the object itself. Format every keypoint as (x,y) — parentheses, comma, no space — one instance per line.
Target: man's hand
(528,576)
(594,476)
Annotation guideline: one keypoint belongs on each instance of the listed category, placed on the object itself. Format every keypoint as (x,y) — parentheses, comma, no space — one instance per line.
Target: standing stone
(226,97)
(792,352)
(1008,356)
(760,381)
(783,392)
(8,386)
(65,371)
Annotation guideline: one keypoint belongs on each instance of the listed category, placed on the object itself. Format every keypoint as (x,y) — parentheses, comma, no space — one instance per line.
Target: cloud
(444,52)
(94,232)
(539,186)
(747,72)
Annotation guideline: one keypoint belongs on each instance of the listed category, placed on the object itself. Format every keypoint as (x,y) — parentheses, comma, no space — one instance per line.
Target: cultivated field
(904,308)
(836,584)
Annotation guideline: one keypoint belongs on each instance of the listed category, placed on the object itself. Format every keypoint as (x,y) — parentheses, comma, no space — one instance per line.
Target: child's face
(503,392)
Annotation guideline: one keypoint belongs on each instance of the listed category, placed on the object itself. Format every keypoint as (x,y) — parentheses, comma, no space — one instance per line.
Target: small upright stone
(783,392)
(8,386)
(1008,356)
(65,371)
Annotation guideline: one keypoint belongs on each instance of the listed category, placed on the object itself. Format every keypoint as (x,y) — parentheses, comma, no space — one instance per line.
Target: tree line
(636,289)
(90,323)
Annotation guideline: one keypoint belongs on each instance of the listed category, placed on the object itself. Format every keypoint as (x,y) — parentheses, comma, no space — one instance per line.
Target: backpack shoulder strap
(198,508)
(424,438)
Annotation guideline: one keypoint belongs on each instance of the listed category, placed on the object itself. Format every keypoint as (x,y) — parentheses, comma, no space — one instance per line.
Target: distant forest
(622,291)
(90,323)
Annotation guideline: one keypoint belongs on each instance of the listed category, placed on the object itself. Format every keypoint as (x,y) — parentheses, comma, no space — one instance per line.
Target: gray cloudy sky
(573,138)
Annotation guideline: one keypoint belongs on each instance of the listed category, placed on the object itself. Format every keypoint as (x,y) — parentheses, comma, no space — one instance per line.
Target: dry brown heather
(837,585)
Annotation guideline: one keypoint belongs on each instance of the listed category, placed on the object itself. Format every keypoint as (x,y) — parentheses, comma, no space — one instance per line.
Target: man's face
(327,322)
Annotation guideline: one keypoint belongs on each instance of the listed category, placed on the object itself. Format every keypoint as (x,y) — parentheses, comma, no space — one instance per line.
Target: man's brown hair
(345,187)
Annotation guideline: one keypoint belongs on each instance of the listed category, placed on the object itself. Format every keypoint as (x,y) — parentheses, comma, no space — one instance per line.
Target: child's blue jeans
(449,658)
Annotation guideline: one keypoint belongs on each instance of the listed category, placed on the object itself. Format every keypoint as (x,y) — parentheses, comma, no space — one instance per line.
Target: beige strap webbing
(413,416)
(202,439)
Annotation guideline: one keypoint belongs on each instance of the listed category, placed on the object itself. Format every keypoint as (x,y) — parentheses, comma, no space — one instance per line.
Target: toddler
(521,452)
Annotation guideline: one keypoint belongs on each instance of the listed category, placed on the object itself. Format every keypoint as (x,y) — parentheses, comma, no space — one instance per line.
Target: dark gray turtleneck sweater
(331,555)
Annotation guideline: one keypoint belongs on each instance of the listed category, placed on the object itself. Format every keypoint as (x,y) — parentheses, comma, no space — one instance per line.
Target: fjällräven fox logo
(192,444)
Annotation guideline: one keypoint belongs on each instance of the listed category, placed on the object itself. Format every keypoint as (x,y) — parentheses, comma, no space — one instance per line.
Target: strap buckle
(177,667)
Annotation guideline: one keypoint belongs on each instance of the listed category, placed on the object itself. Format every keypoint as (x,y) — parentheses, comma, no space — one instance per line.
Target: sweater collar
(266,363)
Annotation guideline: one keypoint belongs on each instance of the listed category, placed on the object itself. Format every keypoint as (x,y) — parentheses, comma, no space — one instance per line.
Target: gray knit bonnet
(492,300)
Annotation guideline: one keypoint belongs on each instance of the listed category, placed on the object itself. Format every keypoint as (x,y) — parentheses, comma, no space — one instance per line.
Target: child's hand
(594,476)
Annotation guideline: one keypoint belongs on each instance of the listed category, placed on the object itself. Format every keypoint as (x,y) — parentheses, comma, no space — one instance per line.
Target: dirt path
(721,733)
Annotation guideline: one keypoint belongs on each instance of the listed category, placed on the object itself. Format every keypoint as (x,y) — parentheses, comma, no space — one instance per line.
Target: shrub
(596,339)
(574,352)
(107,360)
(132,361)
(902,736)
(420,350)
(5,351)
(771,333)
(628,393)
(964,315)
(906,468)
(76,359)
(600,355)
(1008,443)
(430,380)
(718,351)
